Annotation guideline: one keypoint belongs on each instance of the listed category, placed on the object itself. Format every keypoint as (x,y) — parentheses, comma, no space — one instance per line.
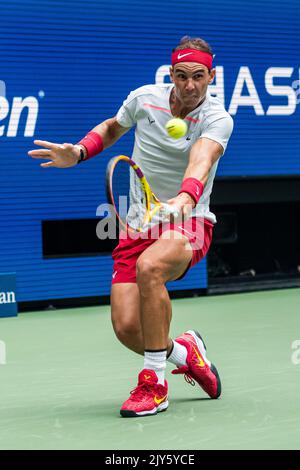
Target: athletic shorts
(125,255)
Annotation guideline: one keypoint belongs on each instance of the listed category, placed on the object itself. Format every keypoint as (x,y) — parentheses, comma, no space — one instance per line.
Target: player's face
(191,81)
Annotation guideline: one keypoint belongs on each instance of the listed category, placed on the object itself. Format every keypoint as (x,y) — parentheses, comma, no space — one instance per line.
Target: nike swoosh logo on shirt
(183,55)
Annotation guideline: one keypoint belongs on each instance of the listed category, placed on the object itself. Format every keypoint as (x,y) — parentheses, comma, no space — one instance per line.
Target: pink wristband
(193,187)
(93,144)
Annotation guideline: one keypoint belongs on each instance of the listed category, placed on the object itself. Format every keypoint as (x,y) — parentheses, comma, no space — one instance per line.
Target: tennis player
(182,172)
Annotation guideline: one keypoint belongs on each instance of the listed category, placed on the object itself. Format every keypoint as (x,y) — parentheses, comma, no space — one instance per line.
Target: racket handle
(170,210)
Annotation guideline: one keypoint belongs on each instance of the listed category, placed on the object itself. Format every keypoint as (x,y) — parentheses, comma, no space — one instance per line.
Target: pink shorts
(125,255)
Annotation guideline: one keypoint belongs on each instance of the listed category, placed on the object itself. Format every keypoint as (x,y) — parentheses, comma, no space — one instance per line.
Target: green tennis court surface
(66,376)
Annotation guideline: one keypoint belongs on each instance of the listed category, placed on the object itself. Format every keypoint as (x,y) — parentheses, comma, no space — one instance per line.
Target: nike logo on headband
(183,55)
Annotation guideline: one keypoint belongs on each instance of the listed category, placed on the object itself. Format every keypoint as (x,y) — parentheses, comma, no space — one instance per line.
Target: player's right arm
(67,155)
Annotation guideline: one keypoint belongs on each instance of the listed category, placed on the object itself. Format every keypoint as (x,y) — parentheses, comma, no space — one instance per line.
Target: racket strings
(128,195)
(134,202)
(137,202)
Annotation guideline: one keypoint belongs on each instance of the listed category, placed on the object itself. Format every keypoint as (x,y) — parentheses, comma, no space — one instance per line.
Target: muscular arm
(204,153)
(110,131)
(66,155)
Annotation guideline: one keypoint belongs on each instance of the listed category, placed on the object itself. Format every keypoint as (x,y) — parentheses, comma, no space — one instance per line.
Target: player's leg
(161,262)
(189,351)
(125,315)
(166,259)
(125,298)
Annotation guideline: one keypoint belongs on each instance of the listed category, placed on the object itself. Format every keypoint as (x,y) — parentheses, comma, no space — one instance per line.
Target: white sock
(156,360)
(178,354)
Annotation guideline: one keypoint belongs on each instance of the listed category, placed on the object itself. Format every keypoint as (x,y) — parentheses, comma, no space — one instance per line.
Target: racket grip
(170,210)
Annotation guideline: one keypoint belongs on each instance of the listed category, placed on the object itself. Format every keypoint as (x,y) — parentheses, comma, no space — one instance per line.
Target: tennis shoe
(148,397)
(198,367)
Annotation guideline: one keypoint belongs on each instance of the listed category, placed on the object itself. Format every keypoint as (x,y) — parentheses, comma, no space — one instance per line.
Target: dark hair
(193,43)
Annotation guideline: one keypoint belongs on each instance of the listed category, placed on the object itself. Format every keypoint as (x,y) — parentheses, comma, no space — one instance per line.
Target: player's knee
(125,329)
(148,272)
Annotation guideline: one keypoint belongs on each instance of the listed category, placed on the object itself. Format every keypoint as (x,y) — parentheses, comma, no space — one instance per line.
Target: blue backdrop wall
(66,66)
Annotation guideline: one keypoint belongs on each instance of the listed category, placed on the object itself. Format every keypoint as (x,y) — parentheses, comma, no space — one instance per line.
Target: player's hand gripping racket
(130,194)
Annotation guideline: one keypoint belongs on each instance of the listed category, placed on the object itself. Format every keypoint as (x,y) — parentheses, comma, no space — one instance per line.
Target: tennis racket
(131,196)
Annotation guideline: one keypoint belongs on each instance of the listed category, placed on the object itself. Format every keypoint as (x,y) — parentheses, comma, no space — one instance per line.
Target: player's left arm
(203,155)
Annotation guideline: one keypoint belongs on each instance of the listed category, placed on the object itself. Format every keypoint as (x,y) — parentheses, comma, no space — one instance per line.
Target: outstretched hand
(59,155)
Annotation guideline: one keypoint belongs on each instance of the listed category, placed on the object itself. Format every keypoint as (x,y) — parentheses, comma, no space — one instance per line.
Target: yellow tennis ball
(176,128)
